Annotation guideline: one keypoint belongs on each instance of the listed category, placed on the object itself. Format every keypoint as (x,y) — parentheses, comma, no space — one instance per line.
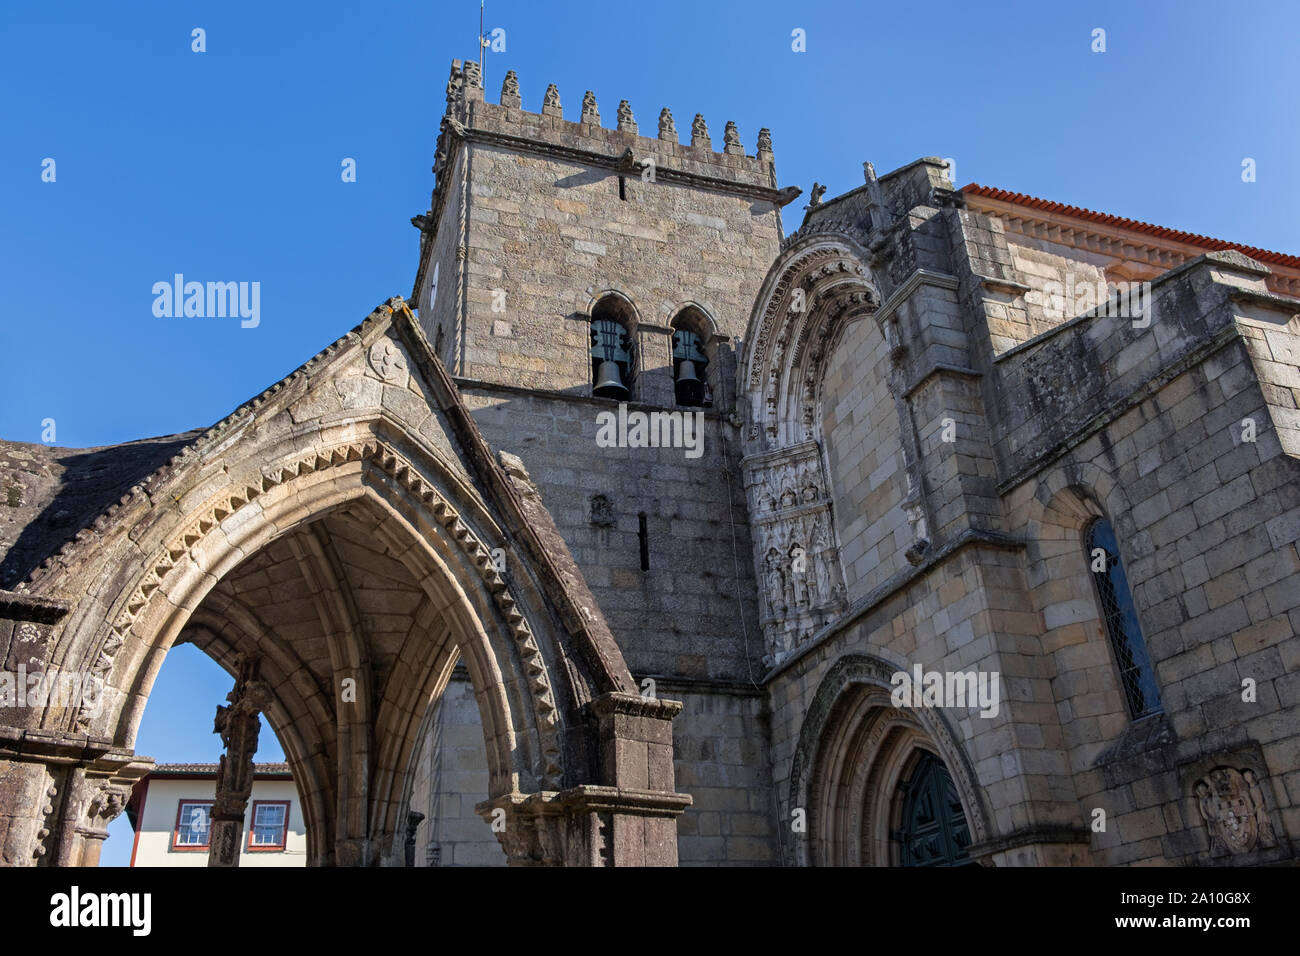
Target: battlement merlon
(469,116)
(469,119)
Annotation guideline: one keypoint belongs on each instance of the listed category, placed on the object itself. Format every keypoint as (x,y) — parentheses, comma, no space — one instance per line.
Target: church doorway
(933,829)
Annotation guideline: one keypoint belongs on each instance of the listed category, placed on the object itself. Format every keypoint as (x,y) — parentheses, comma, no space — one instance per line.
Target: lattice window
(1137,676)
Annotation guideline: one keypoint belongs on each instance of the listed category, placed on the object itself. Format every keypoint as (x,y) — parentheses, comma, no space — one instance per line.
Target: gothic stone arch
(817,286)
(854,748)
(349,524)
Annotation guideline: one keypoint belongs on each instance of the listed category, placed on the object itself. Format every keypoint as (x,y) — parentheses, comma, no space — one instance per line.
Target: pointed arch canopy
(364,454)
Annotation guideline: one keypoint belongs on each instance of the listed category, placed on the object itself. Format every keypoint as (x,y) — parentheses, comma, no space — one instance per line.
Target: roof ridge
(199,439)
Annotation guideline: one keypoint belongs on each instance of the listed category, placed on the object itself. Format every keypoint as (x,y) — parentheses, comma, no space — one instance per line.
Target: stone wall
(682,617)
(451,777)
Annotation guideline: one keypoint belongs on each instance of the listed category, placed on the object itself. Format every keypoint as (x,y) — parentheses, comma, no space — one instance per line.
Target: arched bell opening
(613,348)
(692,360)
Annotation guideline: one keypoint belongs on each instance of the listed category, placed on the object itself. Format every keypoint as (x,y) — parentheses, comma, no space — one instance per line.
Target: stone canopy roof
(49,493)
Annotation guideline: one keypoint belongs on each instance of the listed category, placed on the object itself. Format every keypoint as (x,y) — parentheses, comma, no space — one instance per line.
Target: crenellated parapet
(468,113)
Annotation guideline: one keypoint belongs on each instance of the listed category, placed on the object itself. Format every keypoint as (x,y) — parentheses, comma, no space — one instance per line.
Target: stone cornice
(615,162)
(1130,245)
(1030,836)
(31,607)
(913,282)
(1102,419)
(942,368)
(971,537)
(799,450)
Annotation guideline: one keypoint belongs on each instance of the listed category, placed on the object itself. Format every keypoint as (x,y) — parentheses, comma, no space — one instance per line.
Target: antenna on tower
(482,42)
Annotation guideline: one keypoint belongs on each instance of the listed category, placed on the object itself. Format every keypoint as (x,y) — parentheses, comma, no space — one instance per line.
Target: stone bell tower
(534,217)
(543,230)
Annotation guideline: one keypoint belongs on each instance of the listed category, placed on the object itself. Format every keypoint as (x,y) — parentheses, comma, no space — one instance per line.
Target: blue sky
(225,165)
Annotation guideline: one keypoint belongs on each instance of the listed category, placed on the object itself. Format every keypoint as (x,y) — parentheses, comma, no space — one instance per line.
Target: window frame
(1155,706)
(252,828)
(615,308)
(176,830)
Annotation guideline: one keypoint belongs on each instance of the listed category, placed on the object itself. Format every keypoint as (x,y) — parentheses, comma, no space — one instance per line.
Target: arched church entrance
(882,785)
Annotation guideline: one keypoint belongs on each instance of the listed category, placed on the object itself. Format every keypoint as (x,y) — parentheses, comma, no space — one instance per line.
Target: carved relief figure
(798,575)
(1205,803)
(776,599)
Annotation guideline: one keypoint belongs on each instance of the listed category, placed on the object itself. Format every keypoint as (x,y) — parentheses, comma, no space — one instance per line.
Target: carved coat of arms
(1232,805)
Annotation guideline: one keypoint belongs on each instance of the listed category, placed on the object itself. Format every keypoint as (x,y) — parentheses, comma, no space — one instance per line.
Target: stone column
(629,819)
(238,726)
(106,803)
(654,377)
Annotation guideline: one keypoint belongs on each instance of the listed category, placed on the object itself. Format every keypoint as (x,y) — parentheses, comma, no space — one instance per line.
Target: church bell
(610,356)
(688,361)
(690,390)
(609,382)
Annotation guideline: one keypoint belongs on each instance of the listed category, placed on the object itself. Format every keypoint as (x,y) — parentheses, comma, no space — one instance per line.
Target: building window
(690,362)
(1137,676)
(612,350)
(270,823)
(193,824)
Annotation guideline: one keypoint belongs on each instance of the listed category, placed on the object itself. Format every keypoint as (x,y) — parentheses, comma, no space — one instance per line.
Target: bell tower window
(690,361)
(612,350)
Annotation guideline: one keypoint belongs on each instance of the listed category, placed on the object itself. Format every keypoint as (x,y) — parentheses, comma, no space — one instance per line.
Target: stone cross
(238,726)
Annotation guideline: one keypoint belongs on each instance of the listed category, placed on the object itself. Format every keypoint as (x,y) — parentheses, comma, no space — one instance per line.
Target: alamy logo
(53,688)
(212,300)
(651,430)
(960,689)
(74,909)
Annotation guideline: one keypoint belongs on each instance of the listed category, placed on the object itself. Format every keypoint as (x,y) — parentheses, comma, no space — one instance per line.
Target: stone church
(985,552)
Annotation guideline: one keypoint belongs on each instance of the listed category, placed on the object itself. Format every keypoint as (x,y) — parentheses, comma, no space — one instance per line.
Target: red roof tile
(1105,219)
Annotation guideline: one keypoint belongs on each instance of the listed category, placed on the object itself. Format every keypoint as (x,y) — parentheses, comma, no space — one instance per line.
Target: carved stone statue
(473,75)
(510,90)
(700,132)
(551,101)
(821,563)
(799,576)
(589,112)
(1205,803)
(626,121)
(239,726)
(765,140)
(453,89)
(731,136)
(1263,824)
(776,593)
(667,128)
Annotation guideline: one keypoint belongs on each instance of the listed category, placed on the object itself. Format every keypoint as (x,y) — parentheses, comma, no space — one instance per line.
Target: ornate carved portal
(802,586)
(238,726)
